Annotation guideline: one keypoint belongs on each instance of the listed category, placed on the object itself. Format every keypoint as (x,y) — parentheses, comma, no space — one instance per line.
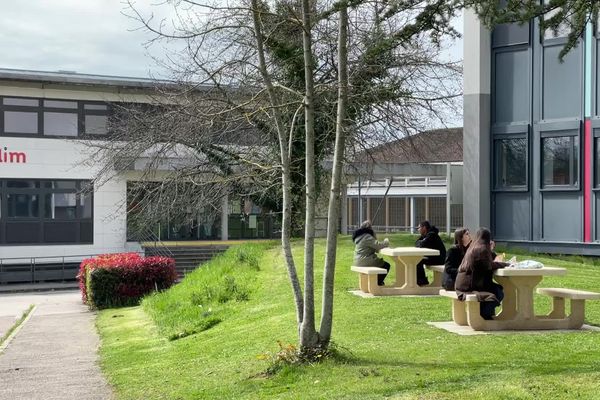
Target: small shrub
(117,280)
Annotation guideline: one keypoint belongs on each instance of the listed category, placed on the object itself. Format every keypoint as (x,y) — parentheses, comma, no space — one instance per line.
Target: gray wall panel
(562,216)
(510,34)
(511,86)
(512,216)
(562,83)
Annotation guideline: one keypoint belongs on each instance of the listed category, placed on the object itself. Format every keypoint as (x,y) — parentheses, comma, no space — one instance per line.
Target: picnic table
(406,260)
(518,304)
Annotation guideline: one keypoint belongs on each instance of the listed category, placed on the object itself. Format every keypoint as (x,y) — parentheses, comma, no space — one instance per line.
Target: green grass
(17,323)
(389,350)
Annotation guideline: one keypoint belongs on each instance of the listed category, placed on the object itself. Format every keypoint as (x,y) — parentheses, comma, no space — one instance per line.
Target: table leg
(525,287)
(400,273)
(509,304)
(410,270)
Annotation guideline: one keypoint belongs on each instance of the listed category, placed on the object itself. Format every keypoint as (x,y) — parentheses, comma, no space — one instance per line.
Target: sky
(86,36)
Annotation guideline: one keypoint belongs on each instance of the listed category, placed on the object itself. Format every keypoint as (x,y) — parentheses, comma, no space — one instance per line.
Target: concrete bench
(437,270)
(577,299)
(368,278)
(459,308)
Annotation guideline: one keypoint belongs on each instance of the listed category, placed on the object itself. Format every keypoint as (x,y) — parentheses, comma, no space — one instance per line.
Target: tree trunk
(308,335)
(285,166)
(333,211)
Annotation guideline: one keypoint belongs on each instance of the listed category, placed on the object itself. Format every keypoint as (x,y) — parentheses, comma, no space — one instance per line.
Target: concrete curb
(14,333)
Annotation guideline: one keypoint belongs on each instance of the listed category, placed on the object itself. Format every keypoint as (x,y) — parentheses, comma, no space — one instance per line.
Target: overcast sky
(86,36)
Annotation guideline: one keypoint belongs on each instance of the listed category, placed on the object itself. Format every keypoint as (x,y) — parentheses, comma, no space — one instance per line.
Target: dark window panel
(60,185)
(23,232)
(61,232)
(23,184)
(60,124)
(20,122)
(22,205)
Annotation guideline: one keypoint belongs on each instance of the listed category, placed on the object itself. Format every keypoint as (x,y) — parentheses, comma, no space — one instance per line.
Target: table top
(408,251)
(530,272)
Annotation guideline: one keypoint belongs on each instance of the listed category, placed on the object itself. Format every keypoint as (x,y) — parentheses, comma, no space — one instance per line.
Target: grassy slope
(394,353)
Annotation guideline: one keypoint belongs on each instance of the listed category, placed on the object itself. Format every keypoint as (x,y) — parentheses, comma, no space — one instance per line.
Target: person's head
(462,238)
(366,225)
(424,227)
(483,237)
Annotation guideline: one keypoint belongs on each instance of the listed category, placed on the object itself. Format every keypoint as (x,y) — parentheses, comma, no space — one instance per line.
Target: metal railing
(43,268)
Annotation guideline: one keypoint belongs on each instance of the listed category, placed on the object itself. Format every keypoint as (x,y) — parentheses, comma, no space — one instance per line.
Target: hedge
(118,280)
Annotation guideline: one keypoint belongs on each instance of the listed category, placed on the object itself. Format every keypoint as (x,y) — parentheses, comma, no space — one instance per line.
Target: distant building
(401,183)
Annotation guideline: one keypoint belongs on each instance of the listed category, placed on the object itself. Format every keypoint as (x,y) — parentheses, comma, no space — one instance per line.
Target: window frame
(41,109)
(559,133)
(41,190)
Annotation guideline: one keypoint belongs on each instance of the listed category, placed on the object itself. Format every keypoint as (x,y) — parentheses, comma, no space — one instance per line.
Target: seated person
(366,246)
(429,239)
(476,271)
(454,256)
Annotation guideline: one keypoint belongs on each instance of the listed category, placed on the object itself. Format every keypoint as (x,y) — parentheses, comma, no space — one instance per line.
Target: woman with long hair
(454,256)
(366,247)
(475,274)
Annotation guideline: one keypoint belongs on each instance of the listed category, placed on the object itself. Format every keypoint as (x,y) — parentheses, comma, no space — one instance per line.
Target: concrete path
(54,355)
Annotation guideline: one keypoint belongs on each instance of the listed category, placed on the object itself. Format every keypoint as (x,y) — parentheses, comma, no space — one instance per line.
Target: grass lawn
(206,337)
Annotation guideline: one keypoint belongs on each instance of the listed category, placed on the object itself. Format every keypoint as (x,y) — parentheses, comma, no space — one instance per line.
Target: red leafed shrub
(117,280)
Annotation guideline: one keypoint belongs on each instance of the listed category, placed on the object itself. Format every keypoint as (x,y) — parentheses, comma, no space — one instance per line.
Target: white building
(45,214)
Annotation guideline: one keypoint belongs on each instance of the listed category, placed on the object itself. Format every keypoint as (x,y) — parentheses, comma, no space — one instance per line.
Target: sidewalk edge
(15,331)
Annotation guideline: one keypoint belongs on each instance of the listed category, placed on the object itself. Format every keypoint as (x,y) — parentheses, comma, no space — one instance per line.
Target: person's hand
(386,241)
(499,258)
(492,244)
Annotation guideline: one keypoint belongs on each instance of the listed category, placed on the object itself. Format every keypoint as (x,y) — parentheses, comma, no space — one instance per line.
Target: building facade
(531,136)
(50,206)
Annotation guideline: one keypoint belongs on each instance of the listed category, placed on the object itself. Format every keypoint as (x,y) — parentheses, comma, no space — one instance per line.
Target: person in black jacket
(430,240)
(454,256)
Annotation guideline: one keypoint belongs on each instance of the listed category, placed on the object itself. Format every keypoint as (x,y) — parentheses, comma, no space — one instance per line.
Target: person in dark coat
(366,247)
(475,274)
(454,256)
(429,239)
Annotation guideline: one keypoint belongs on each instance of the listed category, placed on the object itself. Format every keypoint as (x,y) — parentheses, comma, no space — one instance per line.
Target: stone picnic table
(518,304)
(406,260)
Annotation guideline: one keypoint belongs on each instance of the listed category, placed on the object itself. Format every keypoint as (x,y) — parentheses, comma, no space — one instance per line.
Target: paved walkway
(54,355)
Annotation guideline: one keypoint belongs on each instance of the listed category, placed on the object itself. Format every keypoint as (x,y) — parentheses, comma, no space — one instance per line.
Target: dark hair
(483,236)
(426,224)
(458,236)
(479,250)
(365,227)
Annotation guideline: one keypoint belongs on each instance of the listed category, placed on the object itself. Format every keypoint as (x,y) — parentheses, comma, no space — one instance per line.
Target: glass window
(95,107)
(60,206)
(60,124)
(8,101)
(60,104)
(20,122)
(22,205)
(96,124)
(23,184)
(85,200)
(61,185)
(511,162)
(560,157)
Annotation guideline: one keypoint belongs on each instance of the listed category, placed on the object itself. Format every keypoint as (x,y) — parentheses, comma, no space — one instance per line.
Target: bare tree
(260,88)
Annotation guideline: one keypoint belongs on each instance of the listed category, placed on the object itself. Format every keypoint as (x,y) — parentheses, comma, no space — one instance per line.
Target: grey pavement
(54,355)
